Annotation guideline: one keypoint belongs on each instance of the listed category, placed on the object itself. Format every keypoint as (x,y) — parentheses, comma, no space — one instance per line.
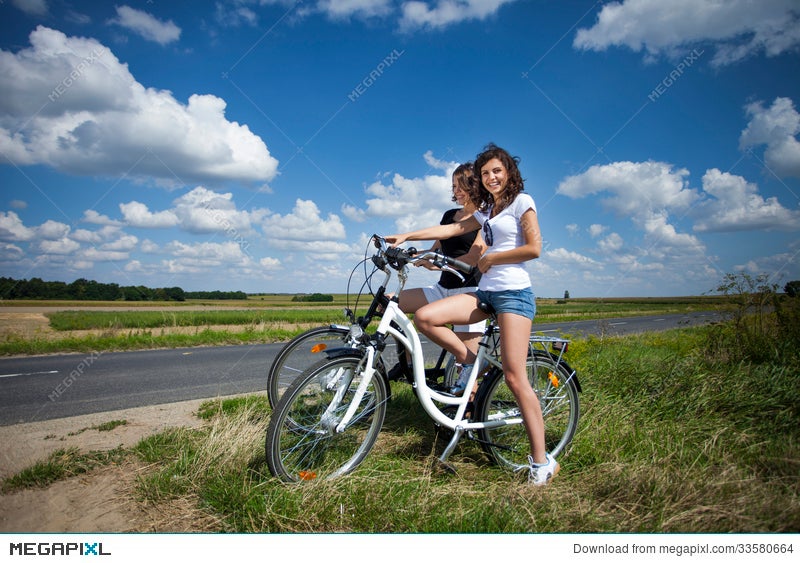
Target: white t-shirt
(506,234)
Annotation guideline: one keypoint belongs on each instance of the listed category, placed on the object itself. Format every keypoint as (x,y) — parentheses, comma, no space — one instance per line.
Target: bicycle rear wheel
(508,445)
(302,442)
(298,355)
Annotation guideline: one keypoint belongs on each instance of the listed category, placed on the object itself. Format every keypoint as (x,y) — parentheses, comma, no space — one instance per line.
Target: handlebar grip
(459,265)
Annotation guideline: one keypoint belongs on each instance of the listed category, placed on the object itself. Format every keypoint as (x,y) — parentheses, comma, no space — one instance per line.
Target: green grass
(170,317)
(673,437)
(276,319)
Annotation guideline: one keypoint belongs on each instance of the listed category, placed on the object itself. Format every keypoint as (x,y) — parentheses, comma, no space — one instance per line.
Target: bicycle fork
(366,379)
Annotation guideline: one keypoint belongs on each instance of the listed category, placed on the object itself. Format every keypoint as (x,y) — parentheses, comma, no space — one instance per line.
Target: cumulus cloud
(413,202)
(304,224)
(442,13)
(634,187)
(736,206)
(204,211)
(737,28)
(12,228)
(146,25)
(137,214)
(646,192)
(777,128)
(413,14)
(69,103)
(342,9)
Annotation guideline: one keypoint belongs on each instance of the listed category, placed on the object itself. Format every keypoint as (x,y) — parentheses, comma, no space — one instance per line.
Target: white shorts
(436,292)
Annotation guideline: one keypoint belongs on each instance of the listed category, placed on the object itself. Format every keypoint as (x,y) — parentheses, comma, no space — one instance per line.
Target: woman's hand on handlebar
(395,240)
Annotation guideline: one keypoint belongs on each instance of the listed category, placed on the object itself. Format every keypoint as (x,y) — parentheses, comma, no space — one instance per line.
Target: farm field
(34,326)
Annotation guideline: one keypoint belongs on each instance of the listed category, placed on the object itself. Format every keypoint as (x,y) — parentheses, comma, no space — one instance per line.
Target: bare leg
(514,337)
(432,320)
(412,299)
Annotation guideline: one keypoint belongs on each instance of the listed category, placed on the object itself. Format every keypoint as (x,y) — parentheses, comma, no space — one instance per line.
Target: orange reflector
(307,475)
(553,378)
(317,348)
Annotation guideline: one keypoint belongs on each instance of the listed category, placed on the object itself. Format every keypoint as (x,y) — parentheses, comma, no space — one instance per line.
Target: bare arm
(439,232)
(530,249)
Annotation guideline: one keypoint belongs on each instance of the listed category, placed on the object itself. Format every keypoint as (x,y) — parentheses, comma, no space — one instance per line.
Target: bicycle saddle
(486,308)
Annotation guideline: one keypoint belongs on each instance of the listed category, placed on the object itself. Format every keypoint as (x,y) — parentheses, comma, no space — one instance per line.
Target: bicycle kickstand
(458,432)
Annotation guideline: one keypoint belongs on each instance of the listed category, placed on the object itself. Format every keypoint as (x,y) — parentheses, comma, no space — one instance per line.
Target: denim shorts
(518,301)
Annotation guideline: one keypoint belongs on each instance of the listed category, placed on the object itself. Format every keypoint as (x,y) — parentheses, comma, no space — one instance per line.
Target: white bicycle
(328,420)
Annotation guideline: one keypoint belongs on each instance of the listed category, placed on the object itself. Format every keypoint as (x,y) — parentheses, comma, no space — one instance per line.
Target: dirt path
(101,500)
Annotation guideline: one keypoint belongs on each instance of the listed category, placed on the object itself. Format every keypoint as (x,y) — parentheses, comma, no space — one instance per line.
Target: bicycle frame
(409,338)
(329,419)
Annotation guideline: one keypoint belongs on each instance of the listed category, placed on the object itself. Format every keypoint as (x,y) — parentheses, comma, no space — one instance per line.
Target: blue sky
(256,145)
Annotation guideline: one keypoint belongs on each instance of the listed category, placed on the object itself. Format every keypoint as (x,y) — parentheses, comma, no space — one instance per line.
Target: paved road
(46,387)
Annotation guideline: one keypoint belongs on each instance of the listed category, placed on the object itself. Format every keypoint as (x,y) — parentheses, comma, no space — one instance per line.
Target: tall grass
(670,440)
(680,432)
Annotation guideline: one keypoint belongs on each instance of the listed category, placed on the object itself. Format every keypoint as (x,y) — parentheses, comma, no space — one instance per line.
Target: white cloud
(146,25)
(413,202)
(612,243)
(204,211)
(59,246)
(52,230)
(441,13)
(565,257)
(10,252)
(208,253)
(645,192)
(737,206)
(635,187)
(12,228)
(136,214)
(303,224)
(69,103)
(92,216)
(270,263)
(32,7)
(738,28)
(597,230)
(353,213)
(777,128)
(343,9)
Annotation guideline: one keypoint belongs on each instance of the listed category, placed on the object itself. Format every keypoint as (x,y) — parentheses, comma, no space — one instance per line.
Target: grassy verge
(675,436)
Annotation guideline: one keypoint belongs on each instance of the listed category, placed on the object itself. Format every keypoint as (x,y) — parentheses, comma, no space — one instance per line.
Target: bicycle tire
(302,443)
(298,355)
(558,396)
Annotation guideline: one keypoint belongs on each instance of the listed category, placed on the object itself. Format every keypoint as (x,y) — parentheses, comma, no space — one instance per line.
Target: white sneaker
(542,474)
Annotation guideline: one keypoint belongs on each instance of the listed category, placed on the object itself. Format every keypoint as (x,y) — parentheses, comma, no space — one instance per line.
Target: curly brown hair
(515,182)
(464,178)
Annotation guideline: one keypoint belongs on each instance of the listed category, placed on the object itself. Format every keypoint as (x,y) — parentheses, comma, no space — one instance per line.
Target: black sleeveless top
(456,247)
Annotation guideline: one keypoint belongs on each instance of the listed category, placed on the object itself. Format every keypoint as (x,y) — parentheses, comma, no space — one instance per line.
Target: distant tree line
(89,290)
(313,298)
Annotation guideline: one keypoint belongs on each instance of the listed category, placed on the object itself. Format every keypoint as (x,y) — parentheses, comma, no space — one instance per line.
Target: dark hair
(464,178)
(515,183)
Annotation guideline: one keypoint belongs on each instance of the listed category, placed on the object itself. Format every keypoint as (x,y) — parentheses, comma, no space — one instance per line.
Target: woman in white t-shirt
(510,229)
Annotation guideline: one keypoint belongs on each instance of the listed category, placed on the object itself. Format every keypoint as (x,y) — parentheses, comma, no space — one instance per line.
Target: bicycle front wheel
(302,439)
(508,445)
(298,355)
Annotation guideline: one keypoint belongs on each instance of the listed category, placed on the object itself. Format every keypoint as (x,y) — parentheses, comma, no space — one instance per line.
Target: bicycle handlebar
(399,257)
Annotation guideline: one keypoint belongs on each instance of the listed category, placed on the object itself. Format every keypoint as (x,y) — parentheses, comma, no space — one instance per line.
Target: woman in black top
(467,247)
